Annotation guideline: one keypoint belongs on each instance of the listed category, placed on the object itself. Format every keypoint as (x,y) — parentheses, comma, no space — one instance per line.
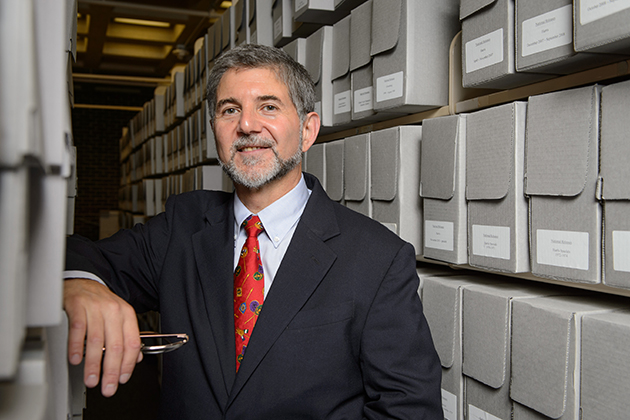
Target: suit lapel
(303,267)
(214,252)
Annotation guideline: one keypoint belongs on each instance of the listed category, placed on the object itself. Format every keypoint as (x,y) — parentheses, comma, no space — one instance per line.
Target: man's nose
(250,121)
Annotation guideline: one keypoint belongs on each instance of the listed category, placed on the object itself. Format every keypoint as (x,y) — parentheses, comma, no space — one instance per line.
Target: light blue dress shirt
(279,220)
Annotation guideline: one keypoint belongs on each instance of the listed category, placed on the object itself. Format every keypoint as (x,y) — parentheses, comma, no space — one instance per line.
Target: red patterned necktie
(248,287)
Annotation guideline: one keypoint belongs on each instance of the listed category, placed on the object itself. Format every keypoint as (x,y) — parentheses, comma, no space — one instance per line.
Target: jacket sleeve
(401,369)
(129,262)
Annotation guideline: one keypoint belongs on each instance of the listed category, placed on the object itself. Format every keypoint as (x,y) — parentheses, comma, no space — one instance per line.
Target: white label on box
(318,107)
(547,31)
(277,27)
(592,10)
(621,250)
(562,248)
(363,100)
(438,235)
(475,413)
(342,102)
(391,226)
(300,3)
(449,405)
(389,87)
(484,51)
(491,241)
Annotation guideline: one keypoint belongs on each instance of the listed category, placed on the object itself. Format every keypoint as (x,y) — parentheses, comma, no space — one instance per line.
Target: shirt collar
(280,216)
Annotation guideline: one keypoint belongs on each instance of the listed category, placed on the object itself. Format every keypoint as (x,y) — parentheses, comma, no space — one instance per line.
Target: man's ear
(310,130)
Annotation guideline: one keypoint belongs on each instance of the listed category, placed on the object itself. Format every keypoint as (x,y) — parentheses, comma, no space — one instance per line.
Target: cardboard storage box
(602,26)
(315,162)
(442,186)
(282,22)
(297,50)
(285,27)
(442,302)
(488,50)
(426,270)
(47,230)
(13,259)
(395,179)
(605,370)
(227,42)
(546,354)
(335,170)
(562,153)
(361,61)
(315,11)
(410,44)
(319,54)
(340,73)
(614,186)
(487,320)
(325,12)
(357,174)
(218,37)
(497,208)
(261,24)
(544,39)
(239,16)
(361,68)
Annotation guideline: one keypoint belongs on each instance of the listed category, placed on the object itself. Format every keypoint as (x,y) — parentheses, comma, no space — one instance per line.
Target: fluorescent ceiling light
(142,22)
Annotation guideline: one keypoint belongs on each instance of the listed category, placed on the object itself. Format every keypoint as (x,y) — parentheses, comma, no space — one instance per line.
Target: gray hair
(253,56)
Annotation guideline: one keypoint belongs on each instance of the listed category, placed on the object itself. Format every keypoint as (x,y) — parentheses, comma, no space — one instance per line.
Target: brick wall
(96,135)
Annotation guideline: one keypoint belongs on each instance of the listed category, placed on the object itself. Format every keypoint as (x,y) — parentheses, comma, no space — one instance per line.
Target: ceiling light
(142,22)
(225,4)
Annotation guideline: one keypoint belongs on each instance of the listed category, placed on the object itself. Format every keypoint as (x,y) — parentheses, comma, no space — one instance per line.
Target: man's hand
(100,319)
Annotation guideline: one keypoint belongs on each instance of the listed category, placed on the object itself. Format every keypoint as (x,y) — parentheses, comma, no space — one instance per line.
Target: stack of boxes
(524,187)
(37,194)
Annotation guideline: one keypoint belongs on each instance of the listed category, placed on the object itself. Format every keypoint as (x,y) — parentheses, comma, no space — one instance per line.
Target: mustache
(252,141)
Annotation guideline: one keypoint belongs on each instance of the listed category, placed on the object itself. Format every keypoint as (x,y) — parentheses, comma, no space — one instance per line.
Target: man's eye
(270,108)
(229,111)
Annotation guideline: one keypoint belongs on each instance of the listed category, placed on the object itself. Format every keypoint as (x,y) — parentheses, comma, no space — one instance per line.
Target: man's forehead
(238,73)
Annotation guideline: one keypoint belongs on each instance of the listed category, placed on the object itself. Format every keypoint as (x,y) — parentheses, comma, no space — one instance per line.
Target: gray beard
(257,179)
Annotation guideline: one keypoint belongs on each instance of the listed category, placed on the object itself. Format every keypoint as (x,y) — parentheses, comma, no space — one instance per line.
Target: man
(339,332)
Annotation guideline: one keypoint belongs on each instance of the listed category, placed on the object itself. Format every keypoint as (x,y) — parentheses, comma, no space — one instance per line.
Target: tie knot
(252,226)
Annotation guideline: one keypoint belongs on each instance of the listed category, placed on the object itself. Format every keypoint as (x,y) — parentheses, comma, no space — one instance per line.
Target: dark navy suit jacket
(341,334)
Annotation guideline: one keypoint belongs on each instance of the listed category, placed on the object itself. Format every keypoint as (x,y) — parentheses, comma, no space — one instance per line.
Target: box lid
(605,368)
(341,48)
(357,159)
(314,48)
(316,162)
(386,21)
(251,10)
(490,150)
(218,32)
(615,144)
(441,308)
(561,135)
(239,14)
(487,322)
(486,315)
(225,28)
(439,157)
(360,35)
(385,159)
(469,7)
(544,332)
(335,169)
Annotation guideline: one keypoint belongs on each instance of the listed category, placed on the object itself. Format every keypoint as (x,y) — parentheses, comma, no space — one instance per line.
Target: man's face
(257,128)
